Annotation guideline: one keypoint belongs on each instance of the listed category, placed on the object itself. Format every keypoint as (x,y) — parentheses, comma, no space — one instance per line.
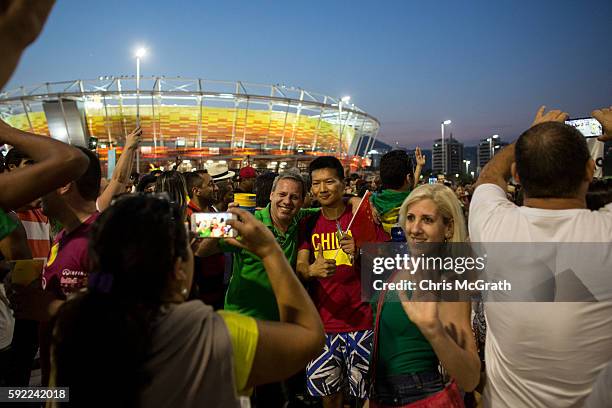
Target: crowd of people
(119,299)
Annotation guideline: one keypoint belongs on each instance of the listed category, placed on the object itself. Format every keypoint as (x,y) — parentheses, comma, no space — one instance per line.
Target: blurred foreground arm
(56,164)
(276,358)
(21,21)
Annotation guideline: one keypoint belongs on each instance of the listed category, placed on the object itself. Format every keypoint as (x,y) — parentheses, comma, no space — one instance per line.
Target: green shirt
(402,348)
(250,291)
(7,224)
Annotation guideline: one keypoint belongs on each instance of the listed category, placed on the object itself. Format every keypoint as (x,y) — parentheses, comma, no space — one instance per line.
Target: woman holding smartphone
(132,339)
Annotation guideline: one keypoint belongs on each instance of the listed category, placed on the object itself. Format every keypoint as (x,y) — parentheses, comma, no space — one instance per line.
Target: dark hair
(263,188)
(327,162)
(88,185)
(102,337)
(14,157)
(395,167)
(551,160)
(173,183)
(361,186)
(192,179)
(145,181)
(156,172)
(599,194)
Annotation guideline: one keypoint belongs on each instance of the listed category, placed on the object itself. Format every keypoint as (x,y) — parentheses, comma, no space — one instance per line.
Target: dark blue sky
(487,65)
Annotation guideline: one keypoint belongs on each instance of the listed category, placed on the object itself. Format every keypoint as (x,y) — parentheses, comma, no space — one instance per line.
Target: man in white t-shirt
(543,354)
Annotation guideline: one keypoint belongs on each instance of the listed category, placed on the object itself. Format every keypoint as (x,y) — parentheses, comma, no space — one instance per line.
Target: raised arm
(604,116)
(420,163)
(446,325)
(277,358)
(55,165)
(121,174)
(497,171)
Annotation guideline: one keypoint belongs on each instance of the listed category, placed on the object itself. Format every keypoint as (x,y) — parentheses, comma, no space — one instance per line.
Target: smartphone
(212,225)
(433,180)
(589,127)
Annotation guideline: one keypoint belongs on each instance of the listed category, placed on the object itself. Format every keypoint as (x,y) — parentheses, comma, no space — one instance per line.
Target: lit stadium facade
(194,118)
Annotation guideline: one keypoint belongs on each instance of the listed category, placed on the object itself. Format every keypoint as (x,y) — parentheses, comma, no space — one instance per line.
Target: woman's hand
(254,236)
(424,314)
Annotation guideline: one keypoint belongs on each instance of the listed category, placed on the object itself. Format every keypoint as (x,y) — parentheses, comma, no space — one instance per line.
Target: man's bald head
(551,160)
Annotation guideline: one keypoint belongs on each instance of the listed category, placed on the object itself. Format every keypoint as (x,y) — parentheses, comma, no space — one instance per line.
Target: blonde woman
(414,337)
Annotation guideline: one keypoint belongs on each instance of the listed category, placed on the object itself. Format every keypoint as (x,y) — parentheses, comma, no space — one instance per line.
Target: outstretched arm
(497,170)
(604,116)
(122,171)
(55,165)
(420,163)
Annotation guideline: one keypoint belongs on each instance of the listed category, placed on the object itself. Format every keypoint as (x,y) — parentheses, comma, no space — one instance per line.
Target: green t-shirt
(402,348)
(250,291)
(7,224)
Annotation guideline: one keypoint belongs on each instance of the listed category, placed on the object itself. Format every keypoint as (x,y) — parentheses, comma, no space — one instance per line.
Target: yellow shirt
(244,335)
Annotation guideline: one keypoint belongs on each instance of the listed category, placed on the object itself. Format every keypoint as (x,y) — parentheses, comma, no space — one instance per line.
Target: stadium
(196,120)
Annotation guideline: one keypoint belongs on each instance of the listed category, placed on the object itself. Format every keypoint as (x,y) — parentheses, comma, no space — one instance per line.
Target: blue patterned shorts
(345,358)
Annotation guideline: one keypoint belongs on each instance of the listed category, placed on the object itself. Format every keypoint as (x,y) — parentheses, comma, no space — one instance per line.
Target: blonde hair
(448,206)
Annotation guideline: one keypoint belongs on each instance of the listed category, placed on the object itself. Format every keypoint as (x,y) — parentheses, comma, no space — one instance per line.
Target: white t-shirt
(541,354)
(7,322)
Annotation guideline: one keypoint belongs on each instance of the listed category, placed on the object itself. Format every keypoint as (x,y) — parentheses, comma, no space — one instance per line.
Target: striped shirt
(36,225)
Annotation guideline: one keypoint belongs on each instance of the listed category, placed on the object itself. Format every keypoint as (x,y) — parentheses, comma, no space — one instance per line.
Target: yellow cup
(244,199)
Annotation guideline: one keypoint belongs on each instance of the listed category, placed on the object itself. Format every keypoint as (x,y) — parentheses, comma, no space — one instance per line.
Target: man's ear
(514,173)
(590,170)
(11,167)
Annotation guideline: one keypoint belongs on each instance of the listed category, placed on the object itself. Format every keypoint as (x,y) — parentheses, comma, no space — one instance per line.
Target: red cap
(247,172)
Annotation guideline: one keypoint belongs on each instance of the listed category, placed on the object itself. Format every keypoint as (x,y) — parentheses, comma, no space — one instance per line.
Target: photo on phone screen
(212,225)
(433,180)
(589,127)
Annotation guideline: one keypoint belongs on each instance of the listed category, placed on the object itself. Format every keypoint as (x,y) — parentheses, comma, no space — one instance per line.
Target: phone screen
(212,225)
(433,180)
(589,127)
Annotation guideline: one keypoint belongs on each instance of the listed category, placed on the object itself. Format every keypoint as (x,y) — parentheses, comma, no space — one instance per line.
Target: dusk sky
(486,65)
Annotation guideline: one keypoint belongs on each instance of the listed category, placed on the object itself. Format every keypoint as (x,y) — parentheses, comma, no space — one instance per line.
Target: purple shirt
(68,265)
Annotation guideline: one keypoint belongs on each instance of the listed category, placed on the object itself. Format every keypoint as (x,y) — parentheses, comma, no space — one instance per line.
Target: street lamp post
(140,52)
(492,146)
(446,122)
(345,100)
(467,165)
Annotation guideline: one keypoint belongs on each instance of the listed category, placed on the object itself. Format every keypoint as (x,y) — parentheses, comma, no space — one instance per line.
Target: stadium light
(141,52)
(447,122)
